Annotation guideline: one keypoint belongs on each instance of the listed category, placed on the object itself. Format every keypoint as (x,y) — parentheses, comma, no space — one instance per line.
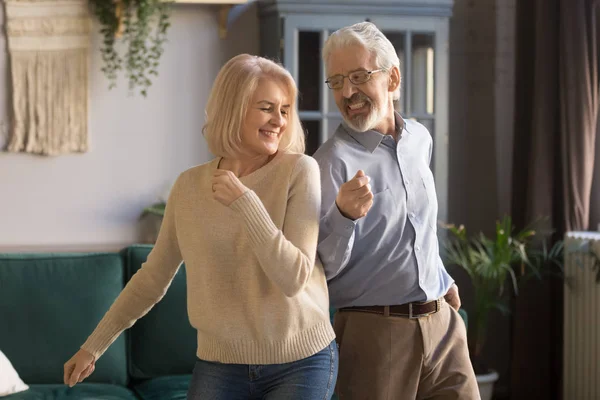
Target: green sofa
(50,303)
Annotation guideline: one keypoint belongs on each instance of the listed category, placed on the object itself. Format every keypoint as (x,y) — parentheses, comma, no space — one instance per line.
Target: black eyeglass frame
(369,75)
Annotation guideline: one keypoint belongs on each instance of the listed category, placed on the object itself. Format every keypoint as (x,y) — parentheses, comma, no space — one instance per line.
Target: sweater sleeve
(287,256)
(146,287)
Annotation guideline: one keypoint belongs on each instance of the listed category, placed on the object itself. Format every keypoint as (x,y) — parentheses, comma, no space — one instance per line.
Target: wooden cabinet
(293,32)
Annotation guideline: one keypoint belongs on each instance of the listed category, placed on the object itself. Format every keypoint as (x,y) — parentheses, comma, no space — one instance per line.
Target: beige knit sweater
(255,293)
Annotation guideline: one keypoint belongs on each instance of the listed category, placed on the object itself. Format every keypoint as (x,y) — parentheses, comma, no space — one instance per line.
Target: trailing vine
(141,26)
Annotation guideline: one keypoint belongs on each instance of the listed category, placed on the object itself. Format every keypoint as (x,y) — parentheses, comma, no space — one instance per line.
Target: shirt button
(417,248)
(412,214)
(406,183)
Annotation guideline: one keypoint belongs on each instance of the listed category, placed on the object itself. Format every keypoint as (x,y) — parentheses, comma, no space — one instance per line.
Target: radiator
(581,348)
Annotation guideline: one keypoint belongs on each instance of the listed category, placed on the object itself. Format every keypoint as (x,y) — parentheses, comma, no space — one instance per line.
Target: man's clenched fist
(355,198)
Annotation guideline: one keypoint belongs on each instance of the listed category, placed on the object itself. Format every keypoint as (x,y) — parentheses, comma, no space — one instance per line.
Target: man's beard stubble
(361,123)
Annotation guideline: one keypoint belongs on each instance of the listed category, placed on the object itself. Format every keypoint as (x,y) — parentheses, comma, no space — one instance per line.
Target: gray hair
(370,37)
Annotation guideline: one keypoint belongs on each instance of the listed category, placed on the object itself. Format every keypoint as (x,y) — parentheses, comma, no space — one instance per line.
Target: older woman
(246,225)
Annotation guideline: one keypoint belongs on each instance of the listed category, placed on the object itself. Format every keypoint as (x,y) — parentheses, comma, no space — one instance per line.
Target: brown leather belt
(410,310)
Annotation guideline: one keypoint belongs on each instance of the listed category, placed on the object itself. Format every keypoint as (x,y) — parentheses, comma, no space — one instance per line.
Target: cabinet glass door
(310,89)
(422,46)
(318,111)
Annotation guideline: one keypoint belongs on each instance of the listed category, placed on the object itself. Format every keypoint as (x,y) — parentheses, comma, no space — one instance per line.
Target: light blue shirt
(390,256)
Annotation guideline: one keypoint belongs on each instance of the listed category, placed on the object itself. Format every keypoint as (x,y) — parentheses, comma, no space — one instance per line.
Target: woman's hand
(79,367)
(226,187)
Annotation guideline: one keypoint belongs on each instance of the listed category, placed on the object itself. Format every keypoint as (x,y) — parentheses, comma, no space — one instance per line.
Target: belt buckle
(410,312)
(438,307)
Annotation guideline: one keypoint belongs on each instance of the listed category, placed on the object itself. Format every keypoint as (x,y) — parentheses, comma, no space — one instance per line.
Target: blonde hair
(230,97)
(371,38)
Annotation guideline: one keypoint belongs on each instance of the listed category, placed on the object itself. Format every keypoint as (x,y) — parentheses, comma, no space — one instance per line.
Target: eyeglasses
(356,77)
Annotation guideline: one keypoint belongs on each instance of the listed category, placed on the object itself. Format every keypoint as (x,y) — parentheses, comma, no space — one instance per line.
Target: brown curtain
(556,110)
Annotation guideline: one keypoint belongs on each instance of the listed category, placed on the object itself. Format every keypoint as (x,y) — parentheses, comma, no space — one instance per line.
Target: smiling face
(363,106)
(266,118)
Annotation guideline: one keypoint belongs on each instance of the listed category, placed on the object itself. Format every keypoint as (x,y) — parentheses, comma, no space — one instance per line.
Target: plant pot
(150,228)
(486,384)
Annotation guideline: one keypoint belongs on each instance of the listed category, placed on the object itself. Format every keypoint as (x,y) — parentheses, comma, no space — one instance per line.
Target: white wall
(138,145)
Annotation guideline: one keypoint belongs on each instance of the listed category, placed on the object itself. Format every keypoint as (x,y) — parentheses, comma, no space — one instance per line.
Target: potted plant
(496,266)
(141,27)
(152,215)
(157,209)
(151,219)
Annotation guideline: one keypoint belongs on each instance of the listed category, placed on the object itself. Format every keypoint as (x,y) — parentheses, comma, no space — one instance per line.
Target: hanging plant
(141,27)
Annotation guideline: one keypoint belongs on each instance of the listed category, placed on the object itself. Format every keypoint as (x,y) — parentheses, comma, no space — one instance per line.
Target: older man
(399,333)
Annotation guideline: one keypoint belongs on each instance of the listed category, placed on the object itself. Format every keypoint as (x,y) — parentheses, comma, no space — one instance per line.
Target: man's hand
(355,197)
(227,187)
(452,297)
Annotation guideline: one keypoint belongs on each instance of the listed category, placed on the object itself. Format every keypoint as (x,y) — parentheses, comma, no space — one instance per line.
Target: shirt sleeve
(336,232)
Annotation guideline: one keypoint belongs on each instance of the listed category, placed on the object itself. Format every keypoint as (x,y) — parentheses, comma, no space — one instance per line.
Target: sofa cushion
(332,312)
(162,342)
(164,388)
(82,391)
(463,313)
(49,304)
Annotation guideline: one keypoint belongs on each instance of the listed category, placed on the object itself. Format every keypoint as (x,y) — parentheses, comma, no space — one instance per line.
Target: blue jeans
(312,378)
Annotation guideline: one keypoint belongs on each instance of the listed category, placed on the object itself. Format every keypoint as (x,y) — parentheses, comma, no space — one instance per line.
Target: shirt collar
(371,139)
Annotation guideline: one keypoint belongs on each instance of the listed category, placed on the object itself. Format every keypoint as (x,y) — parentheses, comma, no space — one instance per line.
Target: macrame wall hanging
(48,43)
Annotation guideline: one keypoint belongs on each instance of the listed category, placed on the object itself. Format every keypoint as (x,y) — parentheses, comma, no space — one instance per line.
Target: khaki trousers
(396,358)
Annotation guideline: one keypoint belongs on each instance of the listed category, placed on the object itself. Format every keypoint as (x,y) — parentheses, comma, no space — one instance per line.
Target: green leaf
(497,265)
(156,209)
(503,308)
(145,22)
